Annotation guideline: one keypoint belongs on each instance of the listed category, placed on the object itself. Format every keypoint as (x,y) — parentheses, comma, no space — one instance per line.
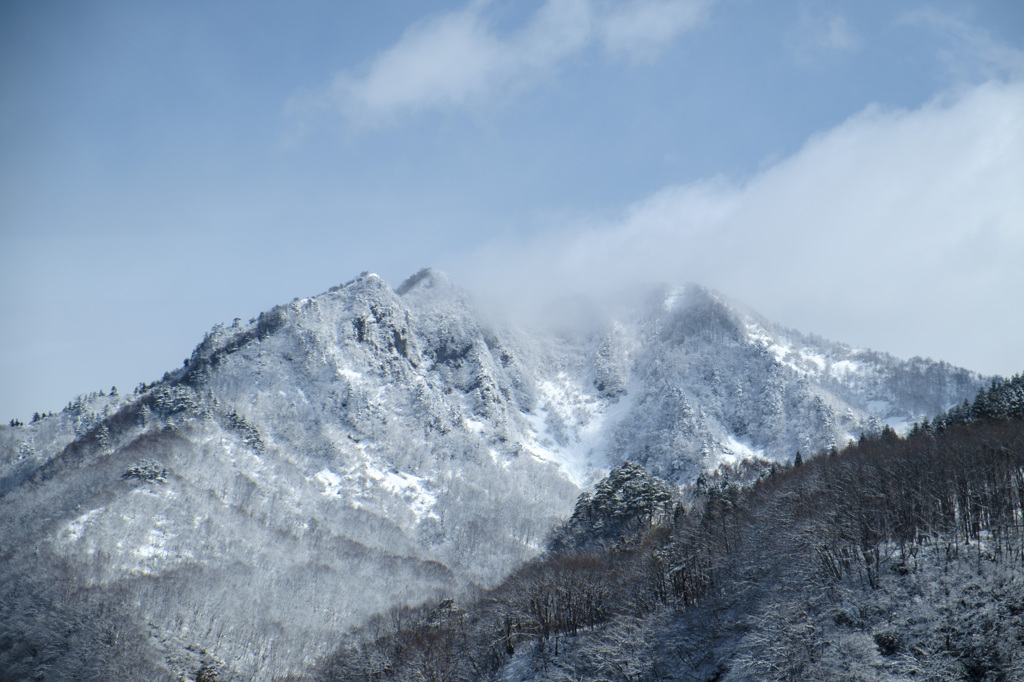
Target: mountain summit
(369,447)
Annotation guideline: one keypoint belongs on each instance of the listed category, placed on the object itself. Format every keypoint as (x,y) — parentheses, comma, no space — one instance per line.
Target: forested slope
(892,559)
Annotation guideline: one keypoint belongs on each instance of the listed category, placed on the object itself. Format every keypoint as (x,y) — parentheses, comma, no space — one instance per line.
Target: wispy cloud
(900,219)
(457,59)
(970,53)
(641,28)
(815,36)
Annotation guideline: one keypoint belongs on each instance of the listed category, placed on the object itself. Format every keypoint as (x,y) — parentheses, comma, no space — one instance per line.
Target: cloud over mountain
(893,213)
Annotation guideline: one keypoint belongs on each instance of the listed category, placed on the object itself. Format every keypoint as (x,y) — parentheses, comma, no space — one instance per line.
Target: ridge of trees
(1004,399)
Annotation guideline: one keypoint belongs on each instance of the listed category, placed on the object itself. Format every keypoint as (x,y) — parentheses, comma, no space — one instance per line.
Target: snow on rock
(736,451)
(572,426)
(842,368)
(408,487)
(153,548)
(330,481)
(74,530)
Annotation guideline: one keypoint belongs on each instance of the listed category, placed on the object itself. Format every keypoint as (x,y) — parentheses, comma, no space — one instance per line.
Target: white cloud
(442,62)
(457,59)
(894,227)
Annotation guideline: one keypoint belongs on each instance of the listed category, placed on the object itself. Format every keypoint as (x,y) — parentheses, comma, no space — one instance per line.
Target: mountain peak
(427,278)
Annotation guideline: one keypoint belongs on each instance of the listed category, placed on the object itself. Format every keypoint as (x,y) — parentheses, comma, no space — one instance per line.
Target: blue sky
(851,169)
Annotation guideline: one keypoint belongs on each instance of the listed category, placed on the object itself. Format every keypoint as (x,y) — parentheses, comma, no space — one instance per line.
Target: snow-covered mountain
(372,446)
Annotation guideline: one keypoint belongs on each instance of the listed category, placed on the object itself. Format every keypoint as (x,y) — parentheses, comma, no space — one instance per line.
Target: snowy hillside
(371,446)
(893,559)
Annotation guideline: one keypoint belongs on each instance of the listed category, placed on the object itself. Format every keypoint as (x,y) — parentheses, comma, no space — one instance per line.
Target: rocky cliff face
(369,447)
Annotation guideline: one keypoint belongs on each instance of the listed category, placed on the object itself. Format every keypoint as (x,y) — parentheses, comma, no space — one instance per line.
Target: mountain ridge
(405,442)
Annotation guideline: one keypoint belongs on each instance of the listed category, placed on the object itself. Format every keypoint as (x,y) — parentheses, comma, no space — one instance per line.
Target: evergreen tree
(626,501)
